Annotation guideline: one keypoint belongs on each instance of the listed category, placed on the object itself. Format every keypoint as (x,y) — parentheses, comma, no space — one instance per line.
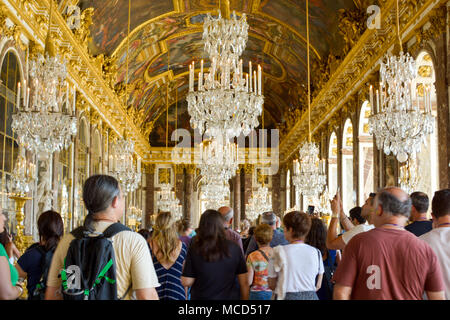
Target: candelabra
(166,200)
(215,193)
(21,183)
(134,217)
(309,175)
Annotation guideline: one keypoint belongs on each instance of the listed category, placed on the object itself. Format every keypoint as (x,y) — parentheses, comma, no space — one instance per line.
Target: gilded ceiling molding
(32,15)
(350,74)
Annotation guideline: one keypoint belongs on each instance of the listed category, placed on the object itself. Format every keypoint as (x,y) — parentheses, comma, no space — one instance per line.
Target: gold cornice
(91,72)
(346,79)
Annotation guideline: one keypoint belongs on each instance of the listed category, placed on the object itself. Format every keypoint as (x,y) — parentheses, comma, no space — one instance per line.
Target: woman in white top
(293,268)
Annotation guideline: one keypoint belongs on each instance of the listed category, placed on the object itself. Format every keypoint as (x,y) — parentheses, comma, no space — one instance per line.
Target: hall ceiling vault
(277,41)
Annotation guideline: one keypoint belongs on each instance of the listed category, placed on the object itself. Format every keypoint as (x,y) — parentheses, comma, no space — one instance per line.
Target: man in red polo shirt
(388,262)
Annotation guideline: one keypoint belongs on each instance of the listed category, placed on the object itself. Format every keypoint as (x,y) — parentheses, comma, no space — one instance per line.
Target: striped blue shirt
(170,279)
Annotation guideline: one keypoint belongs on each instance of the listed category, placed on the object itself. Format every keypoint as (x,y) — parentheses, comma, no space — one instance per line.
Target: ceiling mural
(277,41)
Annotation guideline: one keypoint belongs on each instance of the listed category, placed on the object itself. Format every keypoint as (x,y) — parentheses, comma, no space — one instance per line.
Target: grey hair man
(420,223)
(374,263)
(227,215)
(278,238)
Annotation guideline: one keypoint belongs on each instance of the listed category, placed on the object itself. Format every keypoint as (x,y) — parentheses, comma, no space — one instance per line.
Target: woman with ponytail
(168,254)
(51,229)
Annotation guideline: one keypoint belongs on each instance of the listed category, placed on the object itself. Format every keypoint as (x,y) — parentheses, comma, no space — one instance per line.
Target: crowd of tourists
(386,249)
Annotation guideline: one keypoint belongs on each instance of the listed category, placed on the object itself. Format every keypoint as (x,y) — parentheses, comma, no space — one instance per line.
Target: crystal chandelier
(218,161)
(397,122)
(167,201)
(227,103)
(309,174)
(41,122)
(22,177)
(122,166)
(259,202)
(409,177)
(309,178)
(215,193)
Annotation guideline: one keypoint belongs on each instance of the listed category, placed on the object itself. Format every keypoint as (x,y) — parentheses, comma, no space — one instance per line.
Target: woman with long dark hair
(213,263)
(31,263)
(317,238)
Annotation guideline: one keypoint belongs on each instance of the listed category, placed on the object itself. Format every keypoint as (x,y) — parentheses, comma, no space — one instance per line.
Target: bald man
(227,215)
(388,262)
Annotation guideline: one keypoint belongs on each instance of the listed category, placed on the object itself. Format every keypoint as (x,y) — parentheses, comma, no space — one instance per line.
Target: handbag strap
(264,255)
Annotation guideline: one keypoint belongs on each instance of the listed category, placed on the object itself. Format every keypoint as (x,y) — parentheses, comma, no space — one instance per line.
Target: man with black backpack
(103,259)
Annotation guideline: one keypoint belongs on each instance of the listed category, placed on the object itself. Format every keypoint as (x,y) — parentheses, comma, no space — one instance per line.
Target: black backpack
(39,290)
(90,265)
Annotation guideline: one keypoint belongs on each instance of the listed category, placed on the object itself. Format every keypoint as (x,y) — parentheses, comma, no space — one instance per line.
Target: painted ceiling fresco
(163,30)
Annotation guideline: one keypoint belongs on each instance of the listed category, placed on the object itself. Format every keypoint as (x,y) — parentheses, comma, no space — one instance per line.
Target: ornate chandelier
(22,177)
(226,103)
(397,122)
(41,122)
(167,201)
(218,162)
(259,202)
(309,178)
(215,193)
(309,174)
(122,166)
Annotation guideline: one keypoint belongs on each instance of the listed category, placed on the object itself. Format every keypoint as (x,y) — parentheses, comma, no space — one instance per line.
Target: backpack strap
(78,233)
(264,255)
(114,229)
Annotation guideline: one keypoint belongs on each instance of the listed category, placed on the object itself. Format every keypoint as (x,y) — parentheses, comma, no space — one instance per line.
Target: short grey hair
(393,206)
(269,218)
(230,214)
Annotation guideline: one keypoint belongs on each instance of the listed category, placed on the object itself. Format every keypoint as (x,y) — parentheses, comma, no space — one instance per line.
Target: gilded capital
(249,168)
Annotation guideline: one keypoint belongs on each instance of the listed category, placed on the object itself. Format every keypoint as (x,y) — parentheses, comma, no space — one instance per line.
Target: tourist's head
(317,235)
(245,225)
(356,217)
(391,202)
(210,241)
(420,204)
(440,205)
(50,228)
(165,236)
(296,225)
(145,233)
(185,227)
(269,218)
(263,234)
(102,197)
(227,216)
(368,206)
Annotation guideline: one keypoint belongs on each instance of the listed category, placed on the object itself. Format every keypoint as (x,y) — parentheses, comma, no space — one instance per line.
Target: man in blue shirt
(421,224)
(278,237)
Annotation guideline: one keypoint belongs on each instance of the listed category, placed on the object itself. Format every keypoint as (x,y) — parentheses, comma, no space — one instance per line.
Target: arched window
(332,165)
(366,165)
(427,162)
(96,153)
(10,76)
(348,193)
(82,172)
(288,189)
